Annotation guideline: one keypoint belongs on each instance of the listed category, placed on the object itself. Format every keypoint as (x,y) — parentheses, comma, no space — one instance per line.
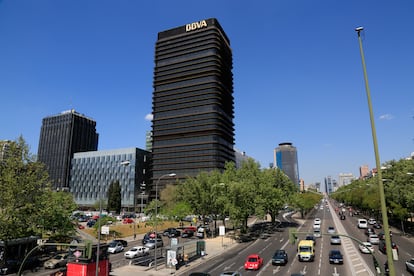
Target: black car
(369,231)
(123,242)
(343,217)
(172,232)
(335,257)
(148,236)
(280,257)
(311,238)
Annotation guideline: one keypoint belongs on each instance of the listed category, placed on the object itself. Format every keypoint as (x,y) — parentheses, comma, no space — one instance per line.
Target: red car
(127,221)
(253,262)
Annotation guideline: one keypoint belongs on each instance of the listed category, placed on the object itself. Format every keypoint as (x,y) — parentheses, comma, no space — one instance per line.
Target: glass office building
(192,128)
(286,159)
(92,172)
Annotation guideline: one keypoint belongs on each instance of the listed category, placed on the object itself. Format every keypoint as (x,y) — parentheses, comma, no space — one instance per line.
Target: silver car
(335,239)
(230,273)
(409,265)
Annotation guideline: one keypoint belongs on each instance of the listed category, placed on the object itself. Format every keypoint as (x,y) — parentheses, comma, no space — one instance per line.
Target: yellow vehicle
(306,251)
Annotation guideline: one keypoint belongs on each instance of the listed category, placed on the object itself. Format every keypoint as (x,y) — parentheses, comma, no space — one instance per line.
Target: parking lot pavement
(214,247)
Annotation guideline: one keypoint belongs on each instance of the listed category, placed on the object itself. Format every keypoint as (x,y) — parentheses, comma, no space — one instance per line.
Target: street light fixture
(377,161)
(123,163)
(156,214)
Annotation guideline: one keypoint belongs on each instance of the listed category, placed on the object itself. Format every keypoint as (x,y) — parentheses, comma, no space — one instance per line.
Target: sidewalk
(214,247)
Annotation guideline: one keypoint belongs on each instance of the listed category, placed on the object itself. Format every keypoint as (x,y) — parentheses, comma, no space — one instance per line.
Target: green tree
(114,197)
(28,206)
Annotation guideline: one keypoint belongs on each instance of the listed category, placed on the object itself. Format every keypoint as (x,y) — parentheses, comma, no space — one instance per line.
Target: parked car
(127,221)
(115,247)
(172,232)
(366,247)
(280,257)
(203,231)
(187,233)
(91,223)
(59,260)
(199,274)
(335,239)
(253,262)
(136,251)
(409,265)
(335,257)
(373,239)
(152,242)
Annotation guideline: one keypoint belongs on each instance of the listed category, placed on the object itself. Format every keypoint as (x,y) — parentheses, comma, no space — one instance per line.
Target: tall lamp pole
(156,214)
(377,163)
(124,163)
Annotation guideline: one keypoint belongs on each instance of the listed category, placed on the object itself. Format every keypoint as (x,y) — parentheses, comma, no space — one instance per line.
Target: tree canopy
(28,206)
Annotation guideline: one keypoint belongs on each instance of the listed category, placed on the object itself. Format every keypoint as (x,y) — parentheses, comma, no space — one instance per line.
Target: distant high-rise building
(364,171)
(60,137)
(286,158)
(148,141)
(345,179)
(192,128)
(330,185)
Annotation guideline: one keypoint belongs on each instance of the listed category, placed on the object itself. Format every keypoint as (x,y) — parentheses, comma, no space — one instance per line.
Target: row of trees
(235,193)
(398,180)
(28,206)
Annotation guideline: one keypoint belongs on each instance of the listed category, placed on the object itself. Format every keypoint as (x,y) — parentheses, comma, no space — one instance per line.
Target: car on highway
(331,230)
(373,239)
(317,221)
(136,251)
(335,257)
(59,260)
(382,247)
(230,273)
(409,265)
(335,239)
(253,262)
(151,243)
(280,257)
(366,247)
(311,238)
(148,236)
(124,242)
(372,221)
(362,224)
(115,247)
(369,231)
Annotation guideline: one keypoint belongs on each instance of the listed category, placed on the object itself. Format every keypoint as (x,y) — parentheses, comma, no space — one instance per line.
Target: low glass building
(92,172)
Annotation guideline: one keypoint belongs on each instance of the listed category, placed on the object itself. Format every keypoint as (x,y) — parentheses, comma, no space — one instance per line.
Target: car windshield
(252,260)
(113,244)
(304,249)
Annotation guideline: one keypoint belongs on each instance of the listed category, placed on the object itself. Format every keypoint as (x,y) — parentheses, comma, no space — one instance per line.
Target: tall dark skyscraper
(60,137)
(193,127)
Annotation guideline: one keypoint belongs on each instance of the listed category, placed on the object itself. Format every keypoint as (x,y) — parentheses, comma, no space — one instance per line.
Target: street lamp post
(123,163)
(377,161)
(156,214)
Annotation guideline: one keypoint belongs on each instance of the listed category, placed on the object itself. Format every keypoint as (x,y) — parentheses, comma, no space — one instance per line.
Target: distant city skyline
(297,74)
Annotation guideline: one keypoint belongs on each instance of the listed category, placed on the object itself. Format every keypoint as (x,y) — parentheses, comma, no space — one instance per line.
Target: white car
(115,247)
(372,221)
(136,251)
(366,247)
(373,239)
(331,230)
(317,221)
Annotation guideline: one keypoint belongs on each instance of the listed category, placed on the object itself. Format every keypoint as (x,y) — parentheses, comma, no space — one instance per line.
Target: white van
(362,224)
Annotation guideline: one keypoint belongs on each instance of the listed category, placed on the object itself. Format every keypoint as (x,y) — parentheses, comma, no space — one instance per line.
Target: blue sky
(297,73)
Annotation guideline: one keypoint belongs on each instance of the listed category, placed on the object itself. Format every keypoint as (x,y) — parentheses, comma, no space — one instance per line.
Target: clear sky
(297,73)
